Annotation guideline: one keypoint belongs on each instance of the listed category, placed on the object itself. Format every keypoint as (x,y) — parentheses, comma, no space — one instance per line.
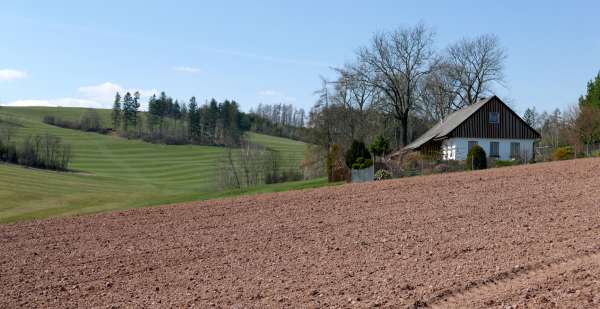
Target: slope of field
(526,235)
(116,173)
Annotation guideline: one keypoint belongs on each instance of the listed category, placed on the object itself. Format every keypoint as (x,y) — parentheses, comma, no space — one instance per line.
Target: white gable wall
(457,148)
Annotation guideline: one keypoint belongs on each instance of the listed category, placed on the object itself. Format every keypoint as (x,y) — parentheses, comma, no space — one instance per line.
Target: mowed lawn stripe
(117,173)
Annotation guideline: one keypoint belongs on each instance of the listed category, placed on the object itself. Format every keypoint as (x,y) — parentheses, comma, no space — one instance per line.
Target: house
(489,123)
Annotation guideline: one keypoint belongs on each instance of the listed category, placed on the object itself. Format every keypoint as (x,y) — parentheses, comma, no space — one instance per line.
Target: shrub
(380,146)
(441,168)
(476,158)
(44,151)
(90,121)
(563,153)
(362,163)
(357,150)
(8,152)
(382,175)
(412,161)
(49,120)
(504,163)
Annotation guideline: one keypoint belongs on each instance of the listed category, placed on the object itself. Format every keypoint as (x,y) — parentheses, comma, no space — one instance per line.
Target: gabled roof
(443,128)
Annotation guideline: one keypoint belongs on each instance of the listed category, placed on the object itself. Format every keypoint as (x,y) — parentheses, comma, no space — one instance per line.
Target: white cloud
(64,102)
(95,96)
(273,96)
(104,92)
(11,74)
(189,70)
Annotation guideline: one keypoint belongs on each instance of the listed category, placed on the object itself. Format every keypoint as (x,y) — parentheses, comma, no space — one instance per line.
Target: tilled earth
(525,236)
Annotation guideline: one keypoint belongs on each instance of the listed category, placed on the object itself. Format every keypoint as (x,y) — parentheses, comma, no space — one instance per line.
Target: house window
(515,150)
(494,117)
(494,149)
(471,144)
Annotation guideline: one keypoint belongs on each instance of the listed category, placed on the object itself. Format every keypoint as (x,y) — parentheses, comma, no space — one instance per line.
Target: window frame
(495,154)
(515,152)
(497,114)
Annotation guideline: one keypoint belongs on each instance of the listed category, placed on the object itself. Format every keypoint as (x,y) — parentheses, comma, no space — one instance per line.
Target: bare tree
(474,65)
(397,63)
(438,97)
(357,97)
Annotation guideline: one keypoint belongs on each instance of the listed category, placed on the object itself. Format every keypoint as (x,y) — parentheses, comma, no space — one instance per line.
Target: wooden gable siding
(431,149)
(510,126)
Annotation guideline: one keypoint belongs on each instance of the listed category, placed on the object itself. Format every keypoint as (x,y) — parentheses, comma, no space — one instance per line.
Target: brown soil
(524,236)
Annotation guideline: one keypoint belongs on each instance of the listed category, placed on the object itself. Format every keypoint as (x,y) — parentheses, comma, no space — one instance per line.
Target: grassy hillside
(116,173)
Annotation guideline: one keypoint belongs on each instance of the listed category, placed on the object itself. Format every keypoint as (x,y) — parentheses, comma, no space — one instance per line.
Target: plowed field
(527,235)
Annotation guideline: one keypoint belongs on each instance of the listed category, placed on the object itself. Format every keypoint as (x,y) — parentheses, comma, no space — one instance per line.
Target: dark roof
(444,127)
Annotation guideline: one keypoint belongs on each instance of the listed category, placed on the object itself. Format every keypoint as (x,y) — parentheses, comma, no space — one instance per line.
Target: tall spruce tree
(530,116)
(193,119)
(135,108)
(116,112)
(592,96)
(127,109)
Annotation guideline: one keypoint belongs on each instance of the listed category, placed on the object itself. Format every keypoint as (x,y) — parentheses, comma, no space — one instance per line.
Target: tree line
(172,122)
(44,151)
(399,85)
(283,120)
(578,126)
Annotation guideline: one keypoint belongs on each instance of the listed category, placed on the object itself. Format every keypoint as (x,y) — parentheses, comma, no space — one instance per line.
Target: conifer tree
(116,112)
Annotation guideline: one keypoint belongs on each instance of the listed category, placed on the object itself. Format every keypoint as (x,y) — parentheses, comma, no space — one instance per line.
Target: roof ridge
(450,122)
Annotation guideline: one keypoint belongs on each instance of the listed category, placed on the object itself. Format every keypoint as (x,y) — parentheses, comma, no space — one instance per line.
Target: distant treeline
(90,122)
(169,121)
(40,151)
(283,120)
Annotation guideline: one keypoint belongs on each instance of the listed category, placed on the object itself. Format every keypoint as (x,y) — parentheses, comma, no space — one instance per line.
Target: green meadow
(113,173)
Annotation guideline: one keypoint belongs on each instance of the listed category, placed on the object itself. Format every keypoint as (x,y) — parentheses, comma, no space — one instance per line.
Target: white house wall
(457,148)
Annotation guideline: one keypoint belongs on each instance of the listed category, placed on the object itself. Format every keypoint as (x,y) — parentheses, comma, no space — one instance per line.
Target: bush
(90,121)
(357,150)
(563,153)
(362,163)
(476,158)
(380,146)
(412,161)
(8,152)
(504,163)
(285,176)
(441,168)
(49,120)
(44,151)
(382,175)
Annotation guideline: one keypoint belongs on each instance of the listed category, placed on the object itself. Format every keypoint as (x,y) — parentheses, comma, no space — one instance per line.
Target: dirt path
(526,236)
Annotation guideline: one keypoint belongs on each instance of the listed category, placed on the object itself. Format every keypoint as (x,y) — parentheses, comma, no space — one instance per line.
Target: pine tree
(127,110)
(116,112)
(135,108)
(152,113)
(213,115)
(592,97)
(193,119)
(530,116)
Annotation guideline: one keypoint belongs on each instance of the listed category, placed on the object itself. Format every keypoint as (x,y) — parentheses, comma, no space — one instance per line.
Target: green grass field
(115,173)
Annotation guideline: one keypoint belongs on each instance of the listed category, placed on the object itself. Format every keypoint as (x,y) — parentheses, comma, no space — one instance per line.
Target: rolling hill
(116,173)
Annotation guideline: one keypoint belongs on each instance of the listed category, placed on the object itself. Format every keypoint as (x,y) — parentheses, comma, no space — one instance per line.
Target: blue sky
(79,52)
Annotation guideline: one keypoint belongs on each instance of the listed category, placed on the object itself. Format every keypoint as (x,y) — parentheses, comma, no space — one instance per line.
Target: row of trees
(282,120)
(40,151)
(169,121)
(399,85)
(281,114)
(577,126)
